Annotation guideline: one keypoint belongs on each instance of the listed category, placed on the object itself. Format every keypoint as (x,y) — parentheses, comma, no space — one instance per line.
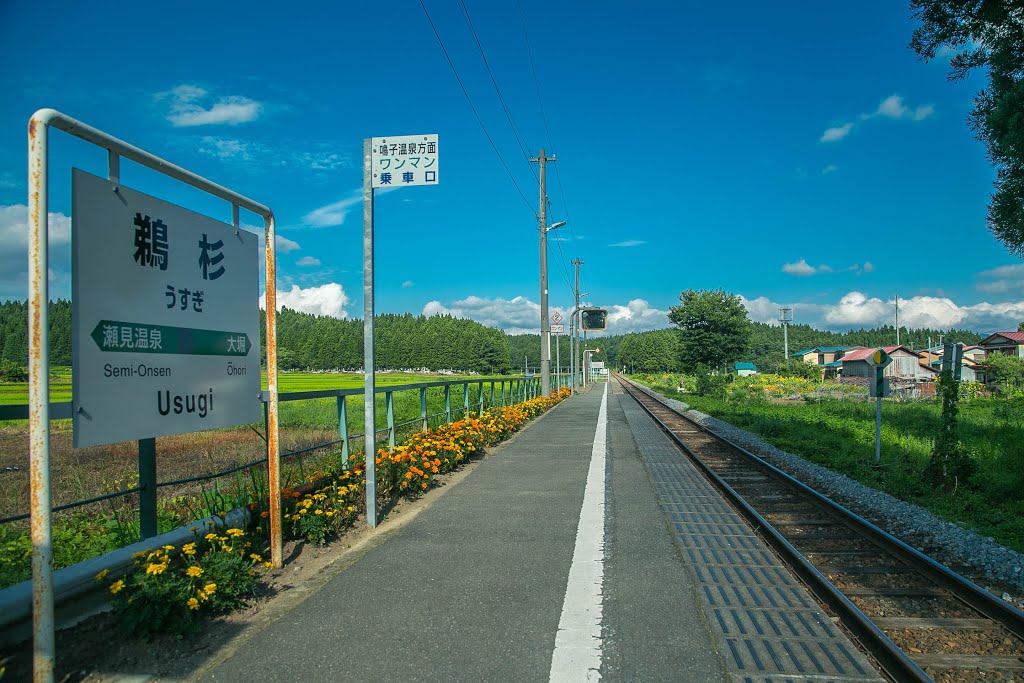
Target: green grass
(312,413)
(840,435)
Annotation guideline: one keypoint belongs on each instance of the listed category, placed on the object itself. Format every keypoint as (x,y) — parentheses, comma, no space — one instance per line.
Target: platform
(499,580)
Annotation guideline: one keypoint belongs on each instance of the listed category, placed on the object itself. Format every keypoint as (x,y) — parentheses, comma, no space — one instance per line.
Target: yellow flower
(193,603)
(116,587)
(102,575)
(268,565)
(319,512)
(255,558)
(189,548)
(155,568)
(235,532)
(211,536)
(168,547)
(210,588)
(194,571)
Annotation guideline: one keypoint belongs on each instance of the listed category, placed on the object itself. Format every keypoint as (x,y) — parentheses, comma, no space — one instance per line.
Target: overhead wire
(543,111)
(473,107)
(547,130)
(508,114)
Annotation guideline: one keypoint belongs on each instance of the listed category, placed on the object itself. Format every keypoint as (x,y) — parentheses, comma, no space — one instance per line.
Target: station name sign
(165,322)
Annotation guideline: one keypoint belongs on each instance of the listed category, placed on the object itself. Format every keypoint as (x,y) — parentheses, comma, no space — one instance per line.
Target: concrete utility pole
(785,317)
(545,325)
(897,320)
(576,327)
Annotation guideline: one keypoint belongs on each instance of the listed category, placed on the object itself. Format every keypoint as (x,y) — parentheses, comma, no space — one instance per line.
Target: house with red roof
(1009,343)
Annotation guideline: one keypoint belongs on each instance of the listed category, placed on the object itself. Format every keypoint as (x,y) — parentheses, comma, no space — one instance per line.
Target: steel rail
(889,656)
(972,594)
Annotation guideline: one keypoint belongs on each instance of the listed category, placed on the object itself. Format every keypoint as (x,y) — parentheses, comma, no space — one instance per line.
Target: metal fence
(460,397)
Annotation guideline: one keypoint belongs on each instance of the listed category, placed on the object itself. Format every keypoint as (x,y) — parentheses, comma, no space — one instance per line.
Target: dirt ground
(95,651)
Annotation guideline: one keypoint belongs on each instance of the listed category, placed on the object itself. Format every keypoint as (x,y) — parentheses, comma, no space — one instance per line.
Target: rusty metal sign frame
(39,362)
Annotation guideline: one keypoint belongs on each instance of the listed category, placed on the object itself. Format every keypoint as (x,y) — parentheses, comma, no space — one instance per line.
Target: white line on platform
(577,655)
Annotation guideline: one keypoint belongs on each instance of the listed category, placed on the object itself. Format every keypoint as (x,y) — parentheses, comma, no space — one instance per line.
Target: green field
(14,393)
(840,435)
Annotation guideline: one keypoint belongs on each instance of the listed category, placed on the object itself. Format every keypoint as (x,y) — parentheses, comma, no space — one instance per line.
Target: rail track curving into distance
(919,620)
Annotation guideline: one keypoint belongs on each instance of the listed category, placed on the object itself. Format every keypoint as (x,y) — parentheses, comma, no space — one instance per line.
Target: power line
(473,107)
(544,115)
(508,114)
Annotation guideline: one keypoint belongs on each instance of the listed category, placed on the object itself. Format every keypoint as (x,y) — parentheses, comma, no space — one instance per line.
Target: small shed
(746,369)
(806,356)
(906,364)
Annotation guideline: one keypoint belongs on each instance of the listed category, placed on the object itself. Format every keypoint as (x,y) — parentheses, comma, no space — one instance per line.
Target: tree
(1020,326)
(987,32)
(714,328)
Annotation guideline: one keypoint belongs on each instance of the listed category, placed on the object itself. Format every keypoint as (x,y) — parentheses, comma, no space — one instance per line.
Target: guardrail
(475,400)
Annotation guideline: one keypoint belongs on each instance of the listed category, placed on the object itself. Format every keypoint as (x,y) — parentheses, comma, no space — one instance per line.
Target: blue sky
(795,154)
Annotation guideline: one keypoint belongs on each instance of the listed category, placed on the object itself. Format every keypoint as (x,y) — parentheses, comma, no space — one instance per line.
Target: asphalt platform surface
(472,589)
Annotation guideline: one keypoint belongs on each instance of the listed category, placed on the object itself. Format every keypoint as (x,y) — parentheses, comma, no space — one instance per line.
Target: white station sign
(165,317)
(404,160)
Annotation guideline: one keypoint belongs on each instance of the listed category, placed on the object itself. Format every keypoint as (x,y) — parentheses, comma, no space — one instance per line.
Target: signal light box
(594,319)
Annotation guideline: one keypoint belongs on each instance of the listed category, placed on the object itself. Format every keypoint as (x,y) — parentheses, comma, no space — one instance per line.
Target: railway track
(919,620)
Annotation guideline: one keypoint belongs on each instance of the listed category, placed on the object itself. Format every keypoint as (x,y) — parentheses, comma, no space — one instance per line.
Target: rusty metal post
(43,651)
(273,426)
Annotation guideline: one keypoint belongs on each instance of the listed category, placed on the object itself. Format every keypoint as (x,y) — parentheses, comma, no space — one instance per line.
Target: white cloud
(14,251)
(329,300)
(285,245)
(635,316)
(628,243)
(226,148)
(801,268)
(407,284)
(892,107)
(281,244)
(1002,279)
(516,316)
(192,106)
(836,133)
(856,310)
(762,309)
(831,168)
(308,261)
(522,316)
(332,214)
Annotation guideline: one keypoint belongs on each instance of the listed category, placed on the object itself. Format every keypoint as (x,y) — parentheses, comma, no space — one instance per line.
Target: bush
(170,588)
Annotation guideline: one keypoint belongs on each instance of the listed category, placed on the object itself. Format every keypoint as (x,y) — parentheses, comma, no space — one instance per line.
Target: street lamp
(545,324)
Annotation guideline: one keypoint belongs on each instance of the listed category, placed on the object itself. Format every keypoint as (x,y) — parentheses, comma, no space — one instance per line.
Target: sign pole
(558,360)
(369,378)
(879,360)
(43,638)
(878,417)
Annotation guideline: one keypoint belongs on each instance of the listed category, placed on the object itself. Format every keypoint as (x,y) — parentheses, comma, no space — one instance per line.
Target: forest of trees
(658,350)
(410,342)
(403,342)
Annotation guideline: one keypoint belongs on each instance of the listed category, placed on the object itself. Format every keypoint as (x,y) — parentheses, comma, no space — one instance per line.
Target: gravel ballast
(977,557)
